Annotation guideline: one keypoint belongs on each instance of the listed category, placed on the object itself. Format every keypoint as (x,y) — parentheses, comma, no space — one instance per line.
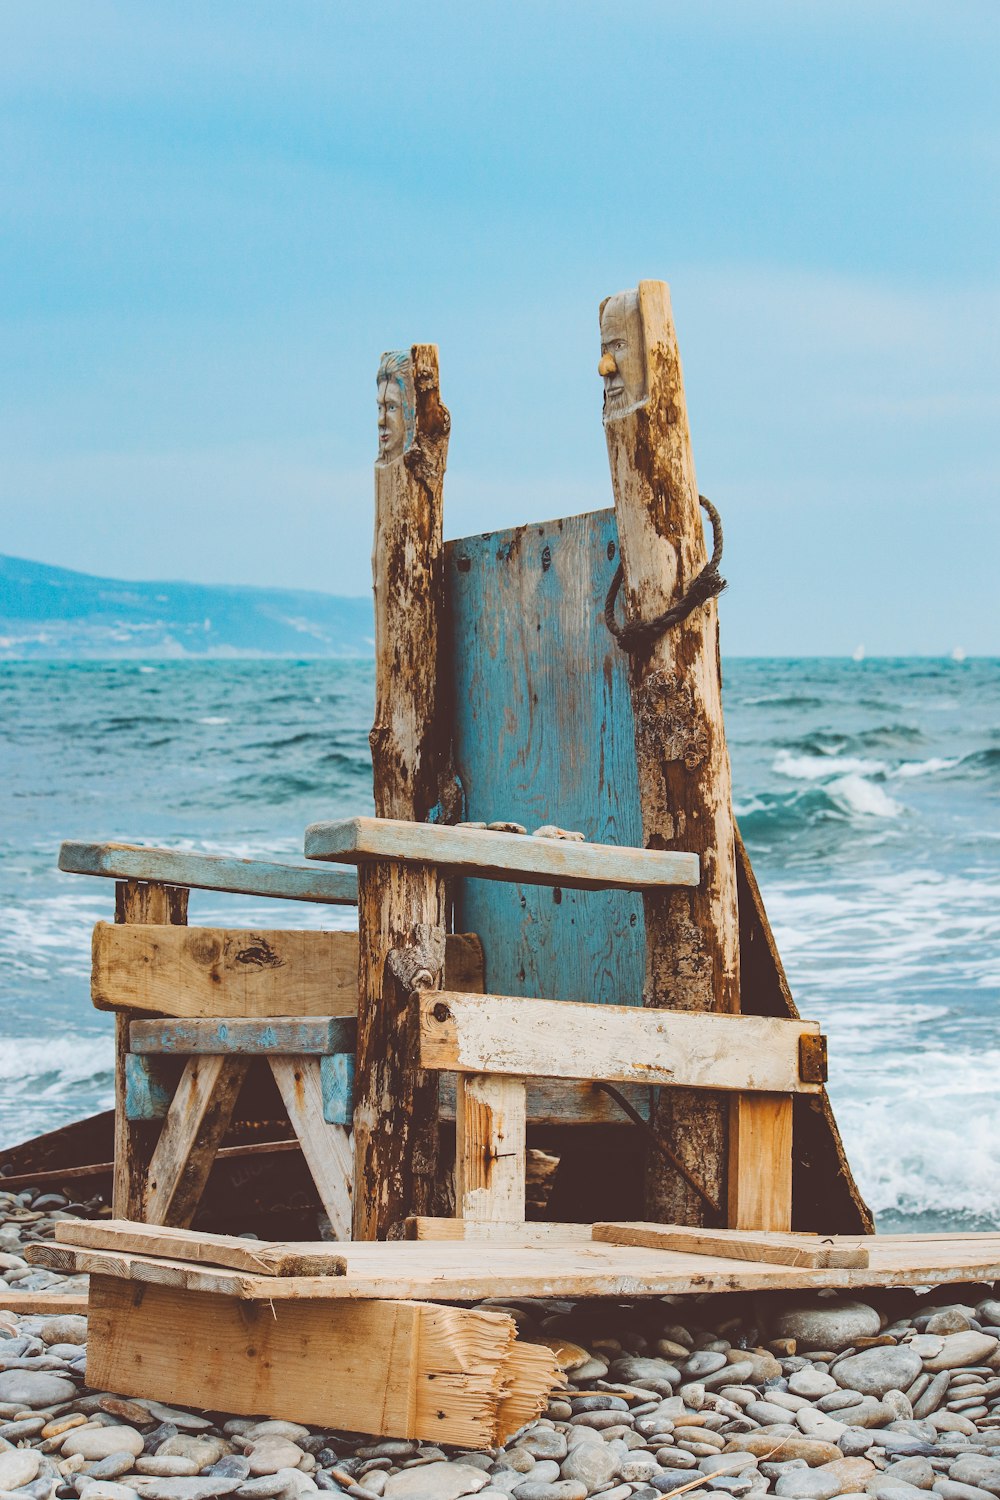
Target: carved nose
(607,365)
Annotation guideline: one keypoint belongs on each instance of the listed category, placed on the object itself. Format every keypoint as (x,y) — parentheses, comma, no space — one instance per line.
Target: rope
(639,635)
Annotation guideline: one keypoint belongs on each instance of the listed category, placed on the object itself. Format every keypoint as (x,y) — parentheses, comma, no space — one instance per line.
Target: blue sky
(215,218)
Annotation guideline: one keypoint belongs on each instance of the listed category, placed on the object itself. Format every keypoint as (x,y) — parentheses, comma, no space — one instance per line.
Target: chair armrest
(211,872)
(523,858)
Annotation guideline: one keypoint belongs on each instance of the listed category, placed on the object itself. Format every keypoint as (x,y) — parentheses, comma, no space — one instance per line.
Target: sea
(868,793)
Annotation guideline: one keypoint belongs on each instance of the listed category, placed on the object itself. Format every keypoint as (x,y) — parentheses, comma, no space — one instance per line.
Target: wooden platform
(563,1261)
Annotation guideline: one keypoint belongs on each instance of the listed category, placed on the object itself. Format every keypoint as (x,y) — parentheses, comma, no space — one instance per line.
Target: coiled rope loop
(639,635)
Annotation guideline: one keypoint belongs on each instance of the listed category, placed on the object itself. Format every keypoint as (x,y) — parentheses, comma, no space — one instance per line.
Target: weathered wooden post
(401,910)
(692,960)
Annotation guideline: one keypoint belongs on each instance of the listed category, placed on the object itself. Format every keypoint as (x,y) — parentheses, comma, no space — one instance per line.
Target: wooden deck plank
(507,1034)
(463,1271)
(813,1251)
(262,1257)
(500,856)
(211,872)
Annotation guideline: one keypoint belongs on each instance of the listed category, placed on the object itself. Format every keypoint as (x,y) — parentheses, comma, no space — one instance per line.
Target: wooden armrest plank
(510,1035)
(501,856)
(210,872)
(811,1251)
(266,1036)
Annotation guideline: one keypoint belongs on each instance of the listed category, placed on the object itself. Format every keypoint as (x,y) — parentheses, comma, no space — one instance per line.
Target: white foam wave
(821,767)
(212,719)
(45,1064)
(925,767)
(858,797)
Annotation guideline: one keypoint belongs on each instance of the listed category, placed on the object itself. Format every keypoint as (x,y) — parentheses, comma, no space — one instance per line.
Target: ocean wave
(827,764)
(783,700)
(33,1065)
(863,799)
(910,768)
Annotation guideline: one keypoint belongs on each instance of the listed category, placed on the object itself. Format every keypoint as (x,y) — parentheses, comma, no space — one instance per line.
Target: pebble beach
(896,1397)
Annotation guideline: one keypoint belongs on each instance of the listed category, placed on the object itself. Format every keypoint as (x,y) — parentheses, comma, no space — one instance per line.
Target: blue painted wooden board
(150,1084)
(336,1079)
(543,729)
(279,1036)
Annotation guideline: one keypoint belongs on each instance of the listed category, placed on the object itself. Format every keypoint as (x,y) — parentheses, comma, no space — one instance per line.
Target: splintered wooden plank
(760,1161)
(391,1368)
(44,1304)
(466,1272)
(326,1147)
(818,1252)
(196,1121)
(500,856)
(560,1039)
(264,1257)
(211,872)
(225,972)
(270,1036)
(490,1146)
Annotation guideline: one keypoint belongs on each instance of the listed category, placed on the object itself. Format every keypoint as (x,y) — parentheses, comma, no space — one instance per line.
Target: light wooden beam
(196,1121)
(500,856)
(490,1146)
(210,872)
(817,1252)
(509,1035)
(223,972)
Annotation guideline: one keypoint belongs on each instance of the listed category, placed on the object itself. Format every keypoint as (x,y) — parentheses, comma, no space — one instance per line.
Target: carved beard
(616,401)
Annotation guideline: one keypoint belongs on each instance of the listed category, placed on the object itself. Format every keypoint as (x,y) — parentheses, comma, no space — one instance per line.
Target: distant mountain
(53,612)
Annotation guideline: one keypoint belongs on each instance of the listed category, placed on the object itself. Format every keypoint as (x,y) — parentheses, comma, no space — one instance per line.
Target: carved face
(391,421)
(623,354)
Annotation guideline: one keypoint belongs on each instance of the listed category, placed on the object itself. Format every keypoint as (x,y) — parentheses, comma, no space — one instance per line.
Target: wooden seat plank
(507,1034)
(500,856)
(210,872)
(264,1036)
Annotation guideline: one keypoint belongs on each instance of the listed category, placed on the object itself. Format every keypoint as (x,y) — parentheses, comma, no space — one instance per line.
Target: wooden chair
(503,697)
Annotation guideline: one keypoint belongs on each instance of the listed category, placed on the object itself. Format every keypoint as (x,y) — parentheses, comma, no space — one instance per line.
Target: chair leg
(326,1148)
(491,1145)
(760,1161)
(196,1121)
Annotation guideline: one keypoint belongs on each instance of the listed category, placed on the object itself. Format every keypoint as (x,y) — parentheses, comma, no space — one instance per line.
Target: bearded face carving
(623,354)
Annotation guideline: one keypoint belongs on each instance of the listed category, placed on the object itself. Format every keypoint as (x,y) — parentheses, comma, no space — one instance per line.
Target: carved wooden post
(401,910)
(136,901)
(692,936)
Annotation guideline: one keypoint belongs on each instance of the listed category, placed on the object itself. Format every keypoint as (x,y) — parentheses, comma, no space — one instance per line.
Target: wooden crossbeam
(229,971)
(196,1121)
(269,1036)
(211,872)
(509,1035)
(326,1147)
(500,856)
(819,1252)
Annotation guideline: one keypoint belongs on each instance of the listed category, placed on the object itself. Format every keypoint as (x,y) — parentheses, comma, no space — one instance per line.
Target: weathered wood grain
(467,1271)
(513,1232)
(210,872)
(501,856)
(509,1035)
(398,1369)
(811,1251)
(760,1161)
(402,911)
(326,1147)
(223,972)
(263,1257)
(264,1036)
(196,1121)
(490,1146)
(692,937)
(137,904)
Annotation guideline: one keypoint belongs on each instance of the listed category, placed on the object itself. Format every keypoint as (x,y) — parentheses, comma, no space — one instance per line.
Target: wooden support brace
(326,1147)
(490,1135)
(196,1121)
(760,1161)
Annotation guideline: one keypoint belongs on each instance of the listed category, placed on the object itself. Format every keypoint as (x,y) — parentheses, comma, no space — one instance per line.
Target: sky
(214,218)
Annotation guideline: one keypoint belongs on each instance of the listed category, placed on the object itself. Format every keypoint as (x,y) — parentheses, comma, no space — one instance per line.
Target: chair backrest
(544,734)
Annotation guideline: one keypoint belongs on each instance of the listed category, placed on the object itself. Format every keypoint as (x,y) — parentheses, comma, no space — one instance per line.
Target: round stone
(544,1442)
(967,1348)
(67,1328)
(100,1442)
(202,1450)
(948,1320)
(807,1484)
(887,1367)
(593,1464)
(34,1389)
(436,1481)
(811,1383)
(168,1466)
(826,1324)
(18,1466)
(273,1453)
